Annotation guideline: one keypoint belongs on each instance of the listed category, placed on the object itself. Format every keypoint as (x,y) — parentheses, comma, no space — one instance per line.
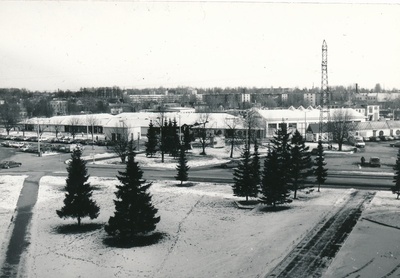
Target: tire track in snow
(314,253)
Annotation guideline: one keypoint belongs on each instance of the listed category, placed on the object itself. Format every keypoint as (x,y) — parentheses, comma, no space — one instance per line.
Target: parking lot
(352,161)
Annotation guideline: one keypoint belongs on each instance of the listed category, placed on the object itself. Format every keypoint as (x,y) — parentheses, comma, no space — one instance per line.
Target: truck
(356,141)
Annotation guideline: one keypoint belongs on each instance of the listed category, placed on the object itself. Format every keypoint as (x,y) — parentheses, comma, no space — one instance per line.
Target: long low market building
(107,126)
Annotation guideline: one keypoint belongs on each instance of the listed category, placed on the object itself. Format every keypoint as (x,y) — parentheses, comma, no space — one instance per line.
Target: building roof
(309,114)
(141,119)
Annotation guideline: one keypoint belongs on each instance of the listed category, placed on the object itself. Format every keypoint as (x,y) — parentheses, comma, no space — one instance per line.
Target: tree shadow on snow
(186,184)
(75,229)
(136,241)
(273,209)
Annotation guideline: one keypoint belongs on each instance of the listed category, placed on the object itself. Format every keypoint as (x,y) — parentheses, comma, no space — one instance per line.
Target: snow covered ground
(215,156)
(10,188)
(205,234)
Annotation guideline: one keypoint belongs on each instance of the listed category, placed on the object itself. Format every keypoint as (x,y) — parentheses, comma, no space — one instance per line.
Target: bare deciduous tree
(202,134)
(9,115)
(120,141)
(340,126)
(234,138)
(57,127)
(251,123)
(91,121)
(73,126)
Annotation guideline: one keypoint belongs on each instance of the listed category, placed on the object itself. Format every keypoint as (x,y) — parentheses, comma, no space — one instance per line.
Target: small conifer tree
(396,178)
(320,171)
(182,167)
(280,143)
(187,138)
(255,165)
(134,212)
(176,141)
(78,201)
(273,184)
(244,185)
(151,143)
(300,161)
(277,168)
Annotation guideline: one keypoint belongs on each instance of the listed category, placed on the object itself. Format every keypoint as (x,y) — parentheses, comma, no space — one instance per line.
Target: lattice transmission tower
(324,98)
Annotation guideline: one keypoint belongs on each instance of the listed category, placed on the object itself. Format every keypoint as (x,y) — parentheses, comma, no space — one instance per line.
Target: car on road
(374,162)
(10,164)
(231,164)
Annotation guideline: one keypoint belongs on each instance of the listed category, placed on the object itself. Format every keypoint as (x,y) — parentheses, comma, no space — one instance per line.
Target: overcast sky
(69,45)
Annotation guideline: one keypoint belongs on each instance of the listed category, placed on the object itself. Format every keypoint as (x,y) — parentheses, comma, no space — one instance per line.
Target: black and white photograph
(177,139)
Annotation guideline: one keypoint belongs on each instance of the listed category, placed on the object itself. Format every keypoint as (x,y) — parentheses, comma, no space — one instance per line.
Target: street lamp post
(38,137)
(92,136)
(138,137)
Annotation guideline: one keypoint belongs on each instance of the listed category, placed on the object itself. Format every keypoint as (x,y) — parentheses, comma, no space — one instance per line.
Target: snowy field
(10,188)
(205,234)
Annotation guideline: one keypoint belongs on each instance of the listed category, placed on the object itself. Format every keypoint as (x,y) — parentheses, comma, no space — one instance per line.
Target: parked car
(395,144)
(386,138)
(356,141)
(15,144)
(10,164)
(374,139)
(374,162)
(366,139)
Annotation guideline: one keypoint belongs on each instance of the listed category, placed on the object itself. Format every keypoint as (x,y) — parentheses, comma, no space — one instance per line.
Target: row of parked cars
(381,138)
(44,147)
(60,139)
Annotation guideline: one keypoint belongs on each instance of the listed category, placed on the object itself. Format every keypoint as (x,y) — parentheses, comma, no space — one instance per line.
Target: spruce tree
(243,185)
(165,143)
(255,165)
(396,178)
(280,143)
(134,212)
(273,185)
(78,201)
(176,142)
(151,143)
(300,163)
(320,171)
(182,167)
(187,138)
(277,167)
